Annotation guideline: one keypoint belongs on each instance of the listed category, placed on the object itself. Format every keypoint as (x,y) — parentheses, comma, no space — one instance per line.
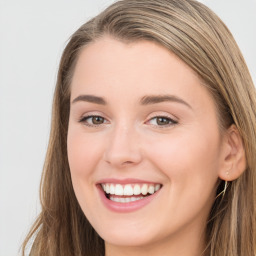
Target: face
(144,145)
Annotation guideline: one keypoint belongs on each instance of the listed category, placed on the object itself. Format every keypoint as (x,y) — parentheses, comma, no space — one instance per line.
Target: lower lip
(125,207)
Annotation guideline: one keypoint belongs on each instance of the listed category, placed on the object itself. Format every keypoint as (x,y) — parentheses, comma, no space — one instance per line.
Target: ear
(234,159)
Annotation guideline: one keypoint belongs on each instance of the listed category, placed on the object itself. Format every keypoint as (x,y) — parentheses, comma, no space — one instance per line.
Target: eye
(162,121)
(93,120)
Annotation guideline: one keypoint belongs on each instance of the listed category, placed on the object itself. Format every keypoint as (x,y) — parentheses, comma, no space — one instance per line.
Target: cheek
(83,156)
(188,156)
(190,164)
(83,153)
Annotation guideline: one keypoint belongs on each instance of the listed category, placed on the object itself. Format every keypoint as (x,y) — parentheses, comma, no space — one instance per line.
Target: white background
(32,37)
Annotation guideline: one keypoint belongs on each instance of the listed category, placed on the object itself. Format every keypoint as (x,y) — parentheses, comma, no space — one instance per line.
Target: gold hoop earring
(223,192)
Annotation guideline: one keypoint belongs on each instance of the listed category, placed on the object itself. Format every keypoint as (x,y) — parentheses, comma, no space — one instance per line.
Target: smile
(128,194)
(140,190)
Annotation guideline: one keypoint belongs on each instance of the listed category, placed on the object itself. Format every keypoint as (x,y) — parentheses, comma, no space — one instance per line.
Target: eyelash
(170,121)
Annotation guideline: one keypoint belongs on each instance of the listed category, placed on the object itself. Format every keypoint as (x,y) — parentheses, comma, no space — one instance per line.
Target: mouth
(128,193)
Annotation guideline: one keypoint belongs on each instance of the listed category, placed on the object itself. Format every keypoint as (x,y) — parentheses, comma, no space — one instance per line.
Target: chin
(124,237)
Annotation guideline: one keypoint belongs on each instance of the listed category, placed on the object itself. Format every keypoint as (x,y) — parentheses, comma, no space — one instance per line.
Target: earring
(223,192)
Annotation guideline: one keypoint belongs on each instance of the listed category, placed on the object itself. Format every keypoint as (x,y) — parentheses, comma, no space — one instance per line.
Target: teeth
(151,189)
(144,189)
(119,191)
(157,187)
(112,189)
(136,190)
(107,189)
(130,189)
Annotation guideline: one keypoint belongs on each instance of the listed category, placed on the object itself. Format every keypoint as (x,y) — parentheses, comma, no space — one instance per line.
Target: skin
(186,156)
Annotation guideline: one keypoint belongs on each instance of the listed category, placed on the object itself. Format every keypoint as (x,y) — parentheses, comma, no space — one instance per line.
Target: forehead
(133,70)
(106,53)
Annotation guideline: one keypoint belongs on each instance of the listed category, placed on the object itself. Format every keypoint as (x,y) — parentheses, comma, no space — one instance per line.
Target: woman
(153,137)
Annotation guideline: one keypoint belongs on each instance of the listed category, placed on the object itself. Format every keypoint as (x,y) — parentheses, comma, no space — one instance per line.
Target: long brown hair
(199,38)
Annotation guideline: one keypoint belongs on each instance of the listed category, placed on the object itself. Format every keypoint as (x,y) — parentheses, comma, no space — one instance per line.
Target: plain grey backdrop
(32,37)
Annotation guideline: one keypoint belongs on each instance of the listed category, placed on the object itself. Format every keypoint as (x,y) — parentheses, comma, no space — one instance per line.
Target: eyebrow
(154,99)
(146,100)
(90,98)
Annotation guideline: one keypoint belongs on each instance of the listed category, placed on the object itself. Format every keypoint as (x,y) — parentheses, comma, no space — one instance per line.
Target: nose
(123,148)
